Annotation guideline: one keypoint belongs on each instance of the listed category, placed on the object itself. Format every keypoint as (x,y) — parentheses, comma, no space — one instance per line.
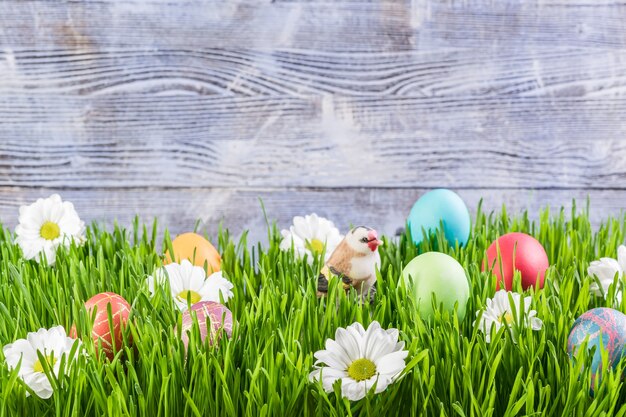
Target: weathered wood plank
(339,26)
(304,103)
(91,26)
(521,24)
(240,210)
(134,140)
(545,71)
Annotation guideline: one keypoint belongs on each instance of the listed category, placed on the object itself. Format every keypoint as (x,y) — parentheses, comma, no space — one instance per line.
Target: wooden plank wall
(196,109)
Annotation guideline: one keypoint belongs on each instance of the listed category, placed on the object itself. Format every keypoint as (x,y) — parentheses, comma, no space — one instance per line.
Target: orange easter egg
(101,330)
(197,250)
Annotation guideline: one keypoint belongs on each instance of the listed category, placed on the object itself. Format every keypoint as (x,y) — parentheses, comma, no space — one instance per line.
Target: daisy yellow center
(50,230)
(361,369)
(38,367)
(315,245)
(506,318)
(194,297)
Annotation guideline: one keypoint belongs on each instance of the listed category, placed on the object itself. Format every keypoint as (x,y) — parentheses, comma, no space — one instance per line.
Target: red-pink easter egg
(101,330)
(517,251)
(212,317)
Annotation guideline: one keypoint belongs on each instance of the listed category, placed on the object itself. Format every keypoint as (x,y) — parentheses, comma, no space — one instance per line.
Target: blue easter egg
(604,326)
(438,206)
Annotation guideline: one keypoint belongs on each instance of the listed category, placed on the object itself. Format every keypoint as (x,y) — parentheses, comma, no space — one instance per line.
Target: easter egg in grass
(213,319)
(517,251)
(197,250)
(110,342)
(604,327)
(436,208)
(439,275)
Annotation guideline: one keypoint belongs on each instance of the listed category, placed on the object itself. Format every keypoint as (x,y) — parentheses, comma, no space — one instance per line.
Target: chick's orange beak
(373,241)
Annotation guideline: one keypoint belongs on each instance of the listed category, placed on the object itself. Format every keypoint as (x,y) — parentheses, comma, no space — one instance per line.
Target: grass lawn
(263,369)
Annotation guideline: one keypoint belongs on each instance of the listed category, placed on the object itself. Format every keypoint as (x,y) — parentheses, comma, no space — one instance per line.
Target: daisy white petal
(188,281)
(216,285)
(309,235)
(604,272)
(621,257)
(379,344)
(290,239)
(352,389)
(315,374)
(349,341)
(304,227)
(500,312)
(360,359)
(334,355)
(53,344)
(328,376)
(46,225)
(392,363)
(399,346)
(356,329)
(394,333)
(382,382)
(536,323)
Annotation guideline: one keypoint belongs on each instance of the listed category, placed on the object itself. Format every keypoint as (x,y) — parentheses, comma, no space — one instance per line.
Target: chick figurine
(355,261)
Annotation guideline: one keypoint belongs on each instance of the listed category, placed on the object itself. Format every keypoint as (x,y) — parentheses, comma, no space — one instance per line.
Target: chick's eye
(364,240)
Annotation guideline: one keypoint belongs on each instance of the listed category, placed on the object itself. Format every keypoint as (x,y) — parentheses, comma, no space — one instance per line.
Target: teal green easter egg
(436,208)
(438,274)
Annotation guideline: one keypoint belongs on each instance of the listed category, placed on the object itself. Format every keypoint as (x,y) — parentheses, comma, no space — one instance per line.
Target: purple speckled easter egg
(599,325)
(212,317)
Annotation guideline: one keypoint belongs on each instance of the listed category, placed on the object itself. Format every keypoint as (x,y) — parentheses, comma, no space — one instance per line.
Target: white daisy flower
(605,270)
(47,224)
(187,280)
(309,235)
(360,358)
(499,312)
(53,344)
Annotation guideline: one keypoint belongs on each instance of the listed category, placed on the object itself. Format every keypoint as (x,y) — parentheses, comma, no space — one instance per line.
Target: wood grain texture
(543,71)
(187,109)
(319,25)
(239,210)
(204,141)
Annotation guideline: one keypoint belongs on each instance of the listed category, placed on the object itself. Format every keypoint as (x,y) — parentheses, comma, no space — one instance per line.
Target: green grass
(263,369)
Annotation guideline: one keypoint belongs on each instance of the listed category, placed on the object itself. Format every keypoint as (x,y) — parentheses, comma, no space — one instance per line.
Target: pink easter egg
(517,251)
(212,317)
